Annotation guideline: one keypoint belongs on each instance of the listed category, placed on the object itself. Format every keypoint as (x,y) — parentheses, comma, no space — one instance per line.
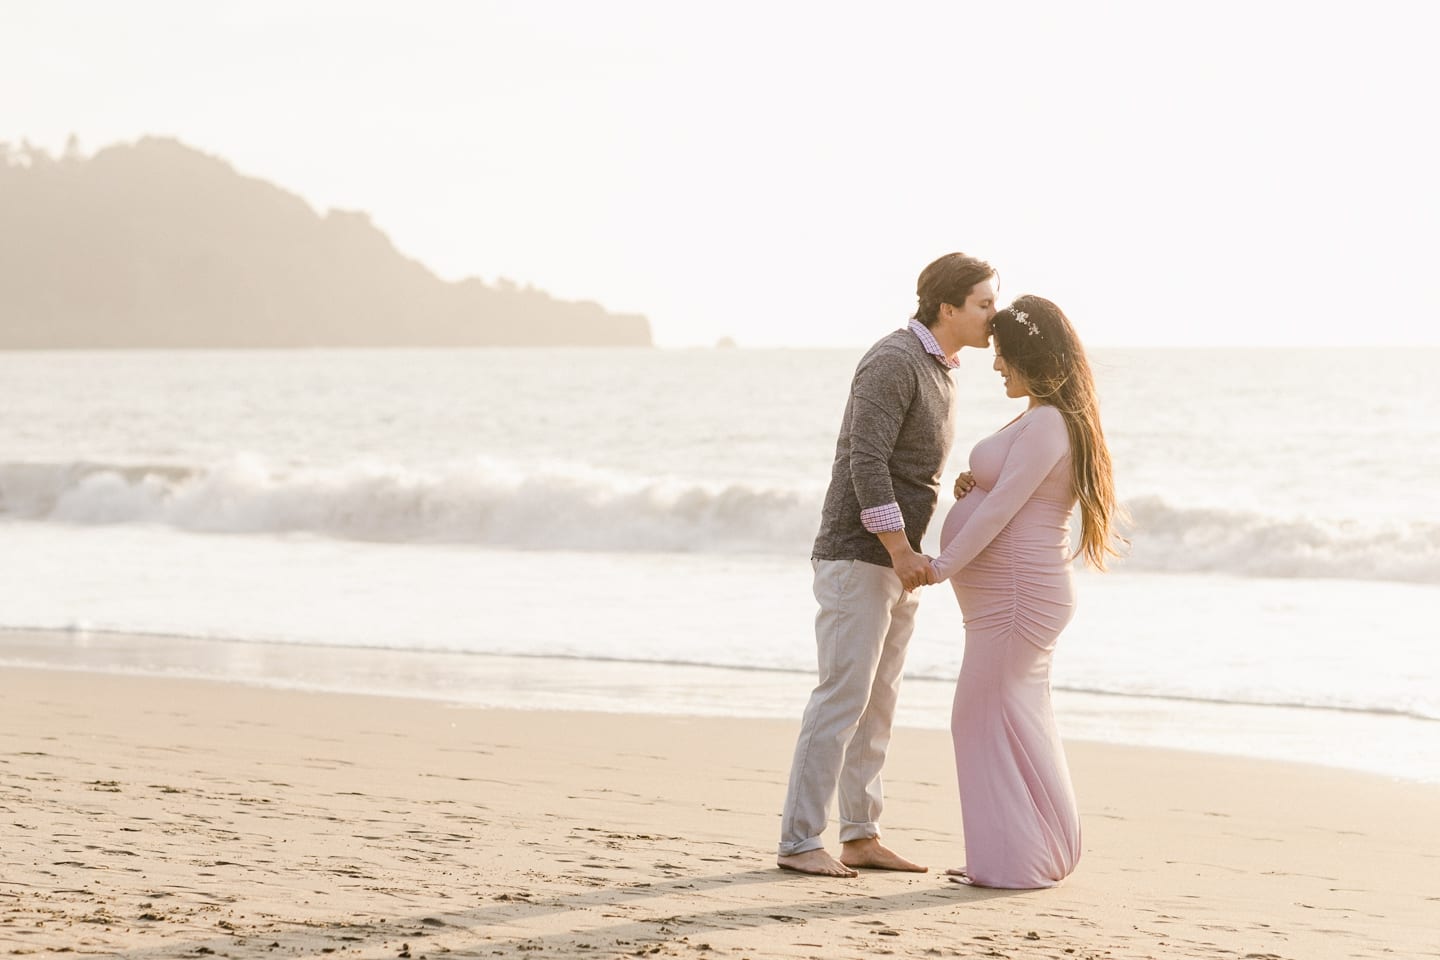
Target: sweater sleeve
(1043,440)
(881,395)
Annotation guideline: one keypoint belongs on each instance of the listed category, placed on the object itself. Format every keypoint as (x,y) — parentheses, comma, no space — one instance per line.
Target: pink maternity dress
(1005,550)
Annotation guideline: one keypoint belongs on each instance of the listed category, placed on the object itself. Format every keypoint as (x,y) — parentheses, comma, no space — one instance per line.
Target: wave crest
(1189,540)
(480,503)
(576,508)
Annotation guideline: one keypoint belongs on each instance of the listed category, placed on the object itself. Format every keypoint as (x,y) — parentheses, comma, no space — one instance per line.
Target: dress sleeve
(1042,442)
(881,395)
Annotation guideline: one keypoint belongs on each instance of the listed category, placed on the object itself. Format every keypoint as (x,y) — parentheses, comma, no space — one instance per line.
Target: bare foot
(816,862)
(869,853)
(958,875)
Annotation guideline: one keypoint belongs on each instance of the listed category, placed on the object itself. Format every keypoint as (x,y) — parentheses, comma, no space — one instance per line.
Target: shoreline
(1385,745)
(146,816)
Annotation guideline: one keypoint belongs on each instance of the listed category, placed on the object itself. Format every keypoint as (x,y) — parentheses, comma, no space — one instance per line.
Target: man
(884,484)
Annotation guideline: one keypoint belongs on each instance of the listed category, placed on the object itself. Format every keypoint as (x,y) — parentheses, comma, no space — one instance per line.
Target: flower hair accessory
(1022,317)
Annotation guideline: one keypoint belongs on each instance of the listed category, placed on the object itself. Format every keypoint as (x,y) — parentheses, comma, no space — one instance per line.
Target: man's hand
(964,484)
(913,569)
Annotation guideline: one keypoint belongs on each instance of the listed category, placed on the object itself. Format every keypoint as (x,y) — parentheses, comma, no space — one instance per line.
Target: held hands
(912,568)
(931,577)
(964,484)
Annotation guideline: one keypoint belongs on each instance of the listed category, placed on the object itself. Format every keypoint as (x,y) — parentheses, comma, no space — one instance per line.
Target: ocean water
(629,530)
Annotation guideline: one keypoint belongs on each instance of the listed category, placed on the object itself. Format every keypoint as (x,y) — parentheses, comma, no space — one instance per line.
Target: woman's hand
(964,484)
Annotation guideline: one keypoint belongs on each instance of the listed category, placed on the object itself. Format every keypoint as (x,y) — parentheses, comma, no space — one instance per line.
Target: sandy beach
(170,818)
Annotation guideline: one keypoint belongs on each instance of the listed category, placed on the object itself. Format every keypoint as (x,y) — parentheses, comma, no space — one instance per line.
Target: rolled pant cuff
(800,846)
(858,831)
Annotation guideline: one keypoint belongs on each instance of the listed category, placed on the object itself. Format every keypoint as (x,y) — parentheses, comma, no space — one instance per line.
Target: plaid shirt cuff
(882,519)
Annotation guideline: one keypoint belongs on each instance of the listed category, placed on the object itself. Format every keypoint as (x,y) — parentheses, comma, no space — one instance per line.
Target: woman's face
(1015,384)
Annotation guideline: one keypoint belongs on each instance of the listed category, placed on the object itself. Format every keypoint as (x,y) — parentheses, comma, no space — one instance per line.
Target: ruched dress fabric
(1005,549)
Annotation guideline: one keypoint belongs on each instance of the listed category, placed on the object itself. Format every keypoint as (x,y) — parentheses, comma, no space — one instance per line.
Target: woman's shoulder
(1045,414)
(1047,422)
(1043,417)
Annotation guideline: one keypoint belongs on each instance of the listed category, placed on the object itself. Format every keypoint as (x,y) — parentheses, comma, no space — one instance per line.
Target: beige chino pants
(862,630)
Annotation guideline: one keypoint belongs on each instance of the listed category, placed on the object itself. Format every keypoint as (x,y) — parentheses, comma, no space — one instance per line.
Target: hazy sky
(1169,173)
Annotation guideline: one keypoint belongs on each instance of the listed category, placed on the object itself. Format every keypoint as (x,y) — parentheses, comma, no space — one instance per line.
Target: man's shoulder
(900,346)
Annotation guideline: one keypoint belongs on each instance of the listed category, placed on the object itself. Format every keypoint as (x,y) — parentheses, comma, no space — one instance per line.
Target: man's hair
(948,280)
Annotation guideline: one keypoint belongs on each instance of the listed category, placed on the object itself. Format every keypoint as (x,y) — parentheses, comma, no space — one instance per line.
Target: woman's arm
(1042,442)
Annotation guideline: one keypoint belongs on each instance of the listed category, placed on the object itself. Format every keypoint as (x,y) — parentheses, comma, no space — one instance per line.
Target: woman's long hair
(1036,340)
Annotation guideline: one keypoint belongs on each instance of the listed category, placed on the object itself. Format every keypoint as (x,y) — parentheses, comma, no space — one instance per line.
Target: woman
(1005,548)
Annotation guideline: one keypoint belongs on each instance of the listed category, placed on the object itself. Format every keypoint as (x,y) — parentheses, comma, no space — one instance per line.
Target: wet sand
(177,818)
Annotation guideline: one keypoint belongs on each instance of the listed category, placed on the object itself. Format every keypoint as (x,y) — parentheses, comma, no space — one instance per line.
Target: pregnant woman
(1005,548)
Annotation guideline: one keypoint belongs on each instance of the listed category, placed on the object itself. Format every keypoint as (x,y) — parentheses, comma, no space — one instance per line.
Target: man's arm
(912,568)
(882,393)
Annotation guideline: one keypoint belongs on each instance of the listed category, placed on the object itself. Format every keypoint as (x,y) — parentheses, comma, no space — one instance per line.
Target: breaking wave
(574,508)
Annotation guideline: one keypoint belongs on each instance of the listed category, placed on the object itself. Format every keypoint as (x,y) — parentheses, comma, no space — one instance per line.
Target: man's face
(970,322)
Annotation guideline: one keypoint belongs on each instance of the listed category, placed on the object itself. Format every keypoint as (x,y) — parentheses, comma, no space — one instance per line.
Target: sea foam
(495,504)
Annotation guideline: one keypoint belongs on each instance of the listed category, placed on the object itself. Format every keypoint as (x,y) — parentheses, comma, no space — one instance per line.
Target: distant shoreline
(157,245)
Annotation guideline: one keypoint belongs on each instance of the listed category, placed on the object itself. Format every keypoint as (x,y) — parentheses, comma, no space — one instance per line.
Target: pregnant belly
(1019,585)
(1034,539)
(961,512)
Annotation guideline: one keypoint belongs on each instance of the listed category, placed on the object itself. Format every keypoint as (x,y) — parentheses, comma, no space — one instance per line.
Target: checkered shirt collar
(931,345)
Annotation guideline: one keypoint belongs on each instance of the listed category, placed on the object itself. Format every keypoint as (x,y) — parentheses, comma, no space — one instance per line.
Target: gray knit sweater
(893,443)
